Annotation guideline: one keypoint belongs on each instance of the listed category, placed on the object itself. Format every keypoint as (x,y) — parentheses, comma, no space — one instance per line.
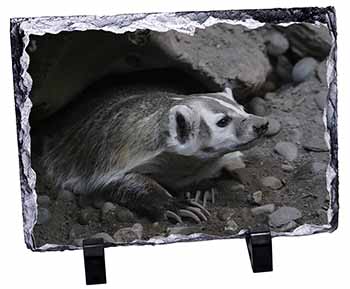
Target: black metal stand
(94,260)
(259,243)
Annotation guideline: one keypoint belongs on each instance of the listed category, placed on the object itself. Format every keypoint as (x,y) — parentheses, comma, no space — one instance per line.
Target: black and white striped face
(210,125)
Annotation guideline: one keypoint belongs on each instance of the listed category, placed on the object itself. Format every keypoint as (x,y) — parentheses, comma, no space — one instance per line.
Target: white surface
(319,261)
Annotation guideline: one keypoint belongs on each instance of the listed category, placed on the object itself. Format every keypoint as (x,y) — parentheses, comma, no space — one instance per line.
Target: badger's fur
(142,150)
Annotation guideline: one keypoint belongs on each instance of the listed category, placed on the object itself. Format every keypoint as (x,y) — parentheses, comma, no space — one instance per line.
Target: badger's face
(210,125)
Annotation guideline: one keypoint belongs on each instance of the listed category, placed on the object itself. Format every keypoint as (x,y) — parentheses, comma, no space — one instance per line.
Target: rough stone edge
(186,22)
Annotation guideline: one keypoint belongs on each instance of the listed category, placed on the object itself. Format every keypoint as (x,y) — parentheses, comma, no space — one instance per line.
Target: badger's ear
(182,123)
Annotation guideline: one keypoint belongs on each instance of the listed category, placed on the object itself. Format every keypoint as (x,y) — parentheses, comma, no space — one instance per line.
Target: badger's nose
(261,128)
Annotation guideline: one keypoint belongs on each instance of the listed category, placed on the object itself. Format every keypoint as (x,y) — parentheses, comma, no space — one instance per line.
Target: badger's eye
(224,121)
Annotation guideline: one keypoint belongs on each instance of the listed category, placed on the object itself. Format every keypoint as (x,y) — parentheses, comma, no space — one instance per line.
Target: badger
(144,150)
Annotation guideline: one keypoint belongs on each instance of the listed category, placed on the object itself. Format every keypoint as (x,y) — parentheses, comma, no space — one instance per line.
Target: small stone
(270,96)
(321,100)
(225,213)
(108,207)
(88,215)
(288,227)
(138,229)
(125,235)
(257,197)
(322,72)
(66,196)
(43,216)
(265,209)
(183,230)
(124,215)
(287,150)
(304,69)
(318,167)
(276,43)
(43,201)
(287,168)
(231,226)
(272,183)
(257,106)
(106,237)
(283,216)
(274,127)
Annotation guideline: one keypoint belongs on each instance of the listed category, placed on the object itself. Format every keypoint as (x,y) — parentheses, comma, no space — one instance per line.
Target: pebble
(287,168)
(106,237)
(257,197)
(231,226)
(43,201)
(287,150)
(283,216)
(265,209)
(124,215)
(272,183)
(108,207)
(129,234)
(304,69)
(274,127)
(88,215)
(183,230)
(43,216)
(318,167)
(276,43)
(257,106)
(321,100)
(66,196)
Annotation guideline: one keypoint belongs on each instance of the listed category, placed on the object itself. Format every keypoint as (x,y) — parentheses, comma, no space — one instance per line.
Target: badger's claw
(189,214)
(204,210)
(198,212)
(174,216)
(198,196)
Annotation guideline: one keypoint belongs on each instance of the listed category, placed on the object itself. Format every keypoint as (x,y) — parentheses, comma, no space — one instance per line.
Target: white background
(318,261)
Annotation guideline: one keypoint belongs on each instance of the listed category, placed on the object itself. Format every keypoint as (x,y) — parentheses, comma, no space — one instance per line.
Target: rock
(88,215)
(304,69)
(315,144)
(225,213)
(43,201)
(276,43)
(265,209)
(124,215)
(307,39)
(272,183)
(108,207)
(283,216)
(184,230)
(321,100)
(129,234)
(287,150)
(257,197)
(106,237)
(288,227)
(287,168)
(43,216)
(284,69)
(66,196)
(318,167)
(257,106)
(231,226)
(274,127)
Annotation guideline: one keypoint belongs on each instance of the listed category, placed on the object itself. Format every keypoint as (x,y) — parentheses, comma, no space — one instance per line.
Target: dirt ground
(296,194)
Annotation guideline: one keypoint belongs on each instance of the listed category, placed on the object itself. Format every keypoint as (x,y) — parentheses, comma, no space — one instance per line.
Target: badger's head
(210,125)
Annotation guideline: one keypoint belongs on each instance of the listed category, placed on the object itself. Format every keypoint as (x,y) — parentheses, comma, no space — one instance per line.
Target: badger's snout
(261,128)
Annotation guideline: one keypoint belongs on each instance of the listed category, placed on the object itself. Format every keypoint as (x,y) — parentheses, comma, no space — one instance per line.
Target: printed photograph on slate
(166,127)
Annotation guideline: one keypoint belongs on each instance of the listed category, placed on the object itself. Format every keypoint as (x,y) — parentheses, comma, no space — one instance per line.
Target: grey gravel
(43,216)
(257,106)
(225,213)
(272,183)
(287,168)
(287,150)
(183,230)
(88,215)
(274,127)
(265,209)
(318,167)
(304,69)
(276,43)
(124,215)
(283,216)
(43,201)
(128,234)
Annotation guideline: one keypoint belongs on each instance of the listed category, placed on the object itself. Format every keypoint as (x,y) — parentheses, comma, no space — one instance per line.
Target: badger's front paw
(187,209)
